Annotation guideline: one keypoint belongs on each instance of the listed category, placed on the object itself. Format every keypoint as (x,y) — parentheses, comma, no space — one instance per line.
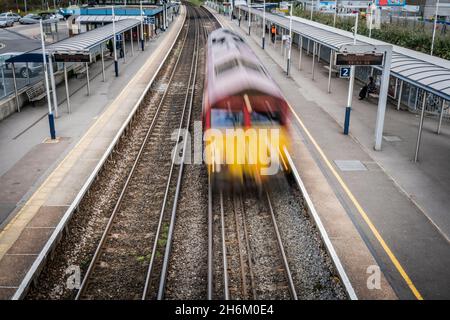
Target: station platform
(40,178)
(398,208)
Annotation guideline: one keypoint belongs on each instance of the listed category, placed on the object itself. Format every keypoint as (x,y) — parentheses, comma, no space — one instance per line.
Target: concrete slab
(6,293)
(13,268)
(350,165)
(31,241)
(47,217)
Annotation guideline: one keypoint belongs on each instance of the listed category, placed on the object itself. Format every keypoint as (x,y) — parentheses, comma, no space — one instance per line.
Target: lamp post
(116,64)
(249,16)
(312,9)
(51,119)
(434,27)
(335,14)
(264,25)
(290,40)
(350,85)
(142,26)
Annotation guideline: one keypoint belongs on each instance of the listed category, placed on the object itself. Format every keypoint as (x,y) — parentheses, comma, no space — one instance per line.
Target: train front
(245,117)
(245,144)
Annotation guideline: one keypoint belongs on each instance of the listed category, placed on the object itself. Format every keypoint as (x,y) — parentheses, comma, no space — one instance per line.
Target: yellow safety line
(361,211)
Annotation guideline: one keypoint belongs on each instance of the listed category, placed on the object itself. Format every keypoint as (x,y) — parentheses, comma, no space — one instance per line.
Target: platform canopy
(79,44)
(421,70)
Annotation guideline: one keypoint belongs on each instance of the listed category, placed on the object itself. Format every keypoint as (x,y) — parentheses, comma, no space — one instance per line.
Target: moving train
(245,116)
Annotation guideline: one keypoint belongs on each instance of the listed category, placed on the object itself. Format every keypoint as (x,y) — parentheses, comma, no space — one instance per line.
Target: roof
(106,19)
(81,43)
(422,70)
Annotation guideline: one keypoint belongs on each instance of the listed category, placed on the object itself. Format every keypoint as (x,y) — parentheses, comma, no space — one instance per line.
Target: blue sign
(344,72)
(149,20)
(118,37)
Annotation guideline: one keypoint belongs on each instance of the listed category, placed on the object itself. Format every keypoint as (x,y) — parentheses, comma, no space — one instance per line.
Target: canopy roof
(422,70)
(79,44)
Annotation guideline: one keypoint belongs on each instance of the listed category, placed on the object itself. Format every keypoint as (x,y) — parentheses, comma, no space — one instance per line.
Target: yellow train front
(245,116)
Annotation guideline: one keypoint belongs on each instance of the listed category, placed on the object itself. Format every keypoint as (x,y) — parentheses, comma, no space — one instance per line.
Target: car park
(10,16)
(30,19)
(6,22)
(22,69)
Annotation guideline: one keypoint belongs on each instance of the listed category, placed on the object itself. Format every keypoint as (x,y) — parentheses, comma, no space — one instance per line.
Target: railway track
(145,230)
(247,258)
(132,225)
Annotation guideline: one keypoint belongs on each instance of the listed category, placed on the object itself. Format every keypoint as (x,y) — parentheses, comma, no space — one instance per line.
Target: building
(430,9)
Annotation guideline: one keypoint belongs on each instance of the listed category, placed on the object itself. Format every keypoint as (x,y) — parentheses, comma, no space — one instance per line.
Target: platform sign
(355,59)
(149,20)
(71,57)
(344,72)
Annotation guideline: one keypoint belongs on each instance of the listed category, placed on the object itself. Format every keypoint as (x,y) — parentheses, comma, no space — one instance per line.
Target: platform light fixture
(142,25)
(51,119)
(116,64)
(434,27)
(264,25)
(348,108)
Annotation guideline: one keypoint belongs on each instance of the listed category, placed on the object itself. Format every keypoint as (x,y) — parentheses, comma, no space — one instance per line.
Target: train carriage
(245,116)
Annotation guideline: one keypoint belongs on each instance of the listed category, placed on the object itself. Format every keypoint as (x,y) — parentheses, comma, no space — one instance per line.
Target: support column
(52,81)
(124,47)
(103,63)
(419,134)
(318,53)
(15,87)
(87,80)
(441,115)
(329,71)
(66,82)
(132,45)
(382,100)
(28,73)
(400,95)
(313,61)
(300,53)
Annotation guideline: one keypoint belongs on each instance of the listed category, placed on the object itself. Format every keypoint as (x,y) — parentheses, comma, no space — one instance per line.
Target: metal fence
(25,73)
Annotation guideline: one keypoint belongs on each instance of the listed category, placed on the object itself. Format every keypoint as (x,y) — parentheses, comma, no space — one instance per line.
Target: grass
(197,2)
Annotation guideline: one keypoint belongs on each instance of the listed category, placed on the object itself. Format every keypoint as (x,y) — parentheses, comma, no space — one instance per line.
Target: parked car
(22,69)
(11,15)
(30,19)
(6,22)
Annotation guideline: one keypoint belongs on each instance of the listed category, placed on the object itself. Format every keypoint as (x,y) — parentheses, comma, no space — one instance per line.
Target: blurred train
(245,116)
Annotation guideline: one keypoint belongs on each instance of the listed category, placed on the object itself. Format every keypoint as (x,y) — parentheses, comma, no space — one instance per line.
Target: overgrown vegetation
(415,38)
(197,2)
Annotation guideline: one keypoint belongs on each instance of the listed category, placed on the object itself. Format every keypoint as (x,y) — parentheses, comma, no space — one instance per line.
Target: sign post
(367,55)
(51,119)
(344,72)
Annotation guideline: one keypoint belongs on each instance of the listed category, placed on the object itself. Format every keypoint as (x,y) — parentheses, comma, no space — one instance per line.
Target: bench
(333,70)
(79,70)
(373,95)
(36,92)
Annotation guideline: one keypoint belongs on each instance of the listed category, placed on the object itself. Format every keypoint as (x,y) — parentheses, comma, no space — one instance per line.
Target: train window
(222,118)
(264,118)
(226,66)
(253,66)
(250,65)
